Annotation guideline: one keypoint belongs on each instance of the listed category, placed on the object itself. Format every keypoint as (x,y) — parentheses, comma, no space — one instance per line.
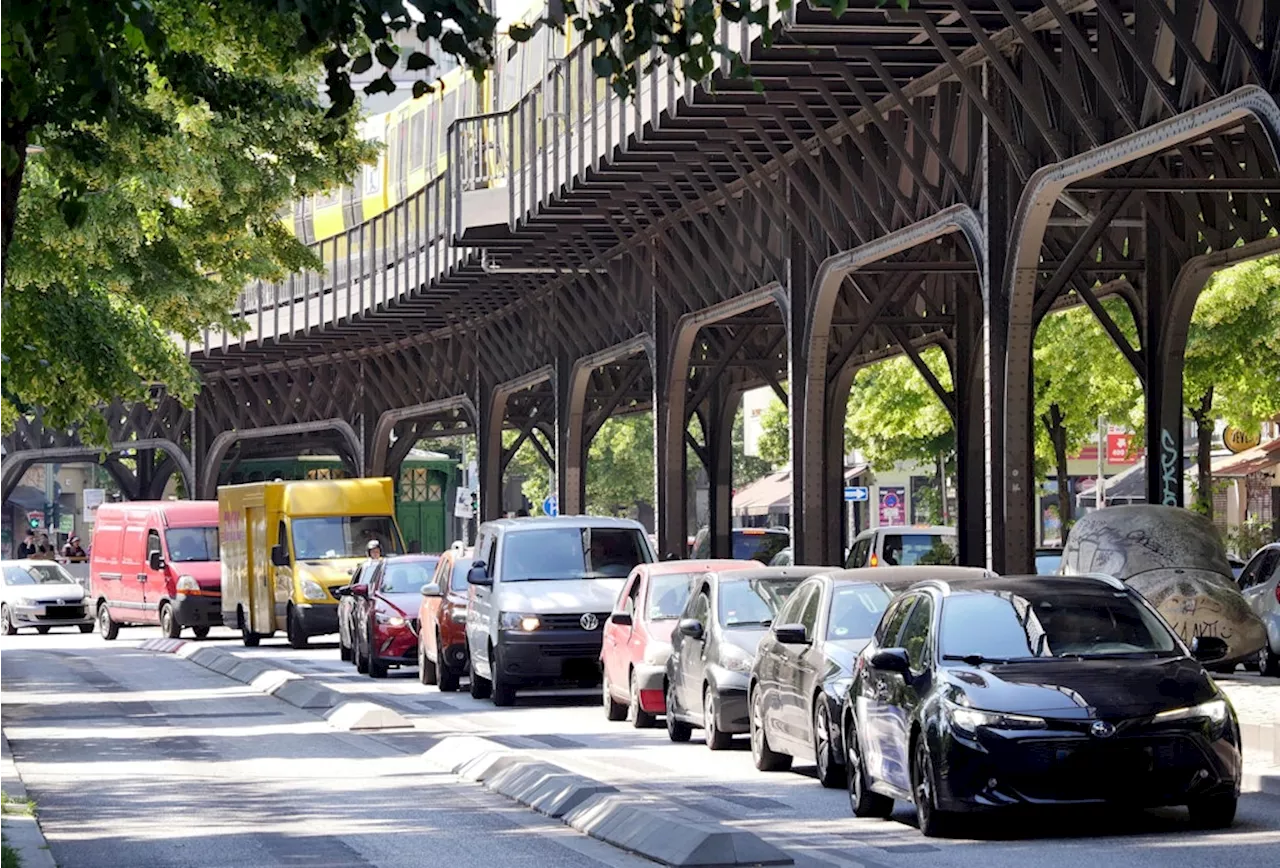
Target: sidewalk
(21,828)
(1257,703)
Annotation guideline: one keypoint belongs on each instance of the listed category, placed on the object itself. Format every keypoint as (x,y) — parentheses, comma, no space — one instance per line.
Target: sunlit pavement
(143,759)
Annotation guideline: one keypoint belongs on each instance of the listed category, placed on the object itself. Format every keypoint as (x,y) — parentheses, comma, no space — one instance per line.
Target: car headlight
(312,590)
(27,601)
(390,620)
(735,659)
(839,688)
(657,653)
(187,584)
(517,621)
(967,720)
(1215,711)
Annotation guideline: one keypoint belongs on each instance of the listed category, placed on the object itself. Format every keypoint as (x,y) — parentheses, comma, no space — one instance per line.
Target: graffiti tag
(1168,469)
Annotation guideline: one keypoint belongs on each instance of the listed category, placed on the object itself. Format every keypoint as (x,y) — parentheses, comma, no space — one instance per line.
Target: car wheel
(449,679)
(377,669)
(932,822)
(86,628)
(344,650)
(169,626)
(639,718)
(42,630)
(503,692)
(766,759)
(200,632)
(480,687)
(296,633)
(613,709)
(1268,663)
(677,729)
(107,628)
(716,740)
(426,669)
(7,621)
(358,657)
(829,771)
(862,800)
(1214,812)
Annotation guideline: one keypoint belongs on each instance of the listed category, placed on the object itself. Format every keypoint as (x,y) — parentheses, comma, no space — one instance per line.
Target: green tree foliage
(154,201)
(747,468)
(1233,358)
(620,465)
(1080,375)
(529,465)
(894,416)
(774,444)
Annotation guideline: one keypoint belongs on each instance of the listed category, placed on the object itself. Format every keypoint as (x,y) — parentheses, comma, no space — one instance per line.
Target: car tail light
(1278,593)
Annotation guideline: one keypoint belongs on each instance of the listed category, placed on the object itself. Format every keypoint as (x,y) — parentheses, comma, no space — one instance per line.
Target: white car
(41,594)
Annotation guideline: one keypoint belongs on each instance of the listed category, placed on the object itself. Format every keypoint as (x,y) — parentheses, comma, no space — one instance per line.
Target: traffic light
(33,522)
(475,502)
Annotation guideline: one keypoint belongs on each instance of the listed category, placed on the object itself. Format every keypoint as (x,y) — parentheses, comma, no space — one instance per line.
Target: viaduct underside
(891,180)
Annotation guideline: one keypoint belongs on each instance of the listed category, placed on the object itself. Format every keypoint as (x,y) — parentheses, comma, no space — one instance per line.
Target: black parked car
(1000,692)
(803,668)
(714,648)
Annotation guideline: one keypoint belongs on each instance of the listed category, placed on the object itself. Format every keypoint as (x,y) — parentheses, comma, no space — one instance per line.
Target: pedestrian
(374,550)
(44,551)
(27,548)
(72,551)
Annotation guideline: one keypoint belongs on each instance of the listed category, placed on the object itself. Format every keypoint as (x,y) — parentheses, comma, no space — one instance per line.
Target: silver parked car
(41,594)
(1260,584)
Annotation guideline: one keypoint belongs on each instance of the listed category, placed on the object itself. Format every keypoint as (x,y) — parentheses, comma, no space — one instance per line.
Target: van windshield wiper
(975,659)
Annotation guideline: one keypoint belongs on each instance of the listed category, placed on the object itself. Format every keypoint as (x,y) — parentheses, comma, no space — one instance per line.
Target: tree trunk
(1054,424)
(15,136)
(1204,446)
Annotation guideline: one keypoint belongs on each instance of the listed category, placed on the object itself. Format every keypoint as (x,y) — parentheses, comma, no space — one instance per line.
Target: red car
(637,636)
(385,612)
(442,616)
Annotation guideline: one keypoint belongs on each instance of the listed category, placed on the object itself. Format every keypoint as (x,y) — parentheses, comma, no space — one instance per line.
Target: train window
(327,199)
(373,178)
(417,133)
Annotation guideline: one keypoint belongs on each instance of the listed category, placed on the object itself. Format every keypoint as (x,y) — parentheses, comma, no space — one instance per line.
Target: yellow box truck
(287,545)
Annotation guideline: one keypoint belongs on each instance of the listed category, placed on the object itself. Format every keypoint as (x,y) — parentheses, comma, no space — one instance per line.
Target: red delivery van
(156,563)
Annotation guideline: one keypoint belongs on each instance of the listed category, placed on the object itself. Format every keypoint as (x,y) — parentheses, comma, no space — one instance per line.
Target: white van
(904,546)
(541,591)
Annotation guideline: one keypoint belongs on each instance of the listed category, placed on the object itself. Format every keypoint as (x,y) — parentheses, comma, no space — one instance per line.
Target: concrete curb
(334,707)
(1261,743)
(21,828)
(648,828)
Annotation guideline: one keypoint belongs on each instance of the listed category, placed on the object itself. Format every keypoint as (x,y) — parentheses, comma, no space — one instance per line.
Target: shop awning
(1263,457)
(769,493)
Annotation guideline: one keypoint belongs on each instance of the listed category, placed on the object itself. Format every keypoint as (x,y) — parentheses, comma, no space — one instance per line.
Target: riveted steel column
(971,445)
(668,438)
(721,408)
(571,445)
(491,405)
(1163,378)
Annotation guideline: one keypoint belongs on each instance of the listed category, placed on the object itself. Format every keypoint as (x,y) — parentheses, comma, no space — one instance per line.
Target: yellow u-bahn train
(414,133)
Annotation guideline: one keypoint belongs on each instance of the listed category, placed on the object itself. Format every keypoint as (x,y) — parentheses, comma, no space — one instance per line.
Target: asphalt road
(143,759)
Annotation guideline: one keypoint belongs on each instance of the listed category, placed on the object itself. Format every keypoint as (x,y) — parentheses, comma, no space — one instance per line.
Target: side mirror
(431,590)
(891,660)
(341,591)
(478,575)
(155,560)
(622,619)
(792,634)
(361,591)
(691,628)
(1207,649)
(279,556)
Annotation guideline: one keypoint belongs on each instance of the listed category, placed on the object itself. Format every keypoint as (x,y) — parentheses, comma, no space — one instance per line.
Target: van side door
(479,612)
(152,580)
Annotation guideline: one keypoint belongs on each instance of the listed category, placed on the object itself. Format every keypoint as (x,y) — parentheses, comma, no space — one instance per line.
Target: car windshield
(924,549)
(856,610)
(1047,563)
(571,553)
(37,574)
(667,595)
(187,544)
(408,577)
(458,578)
(1048,622)
(753,602)
(758,545)
(344,536)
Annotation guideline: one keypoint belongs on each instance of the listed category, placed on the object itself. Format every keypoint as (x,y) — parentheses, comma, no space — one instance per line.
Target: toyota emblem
(589,621)
(1102,729)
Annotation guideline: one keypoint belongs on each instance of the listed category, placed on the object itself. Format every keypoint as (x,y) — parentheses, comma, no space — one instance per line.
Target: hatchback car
(749,543)
(995,693)
(385,617)
(442,623)
(1260,585)
(714,648)
(637,636)
(41,594)
(901,546)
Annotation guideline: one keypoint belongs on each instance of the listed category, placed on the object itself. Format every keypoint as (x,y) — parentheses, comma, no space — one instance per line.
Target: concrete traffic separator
(340,711)
(647,827)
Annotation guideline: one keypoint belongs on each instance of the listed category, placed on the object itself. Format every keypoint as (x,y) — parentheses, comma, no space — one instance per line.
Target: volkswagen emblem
(1102,729)
(589,621)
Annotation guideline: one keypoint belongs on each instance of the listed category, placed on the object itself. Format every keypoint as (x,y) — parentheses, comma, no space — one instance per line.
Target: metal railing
(567,123)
